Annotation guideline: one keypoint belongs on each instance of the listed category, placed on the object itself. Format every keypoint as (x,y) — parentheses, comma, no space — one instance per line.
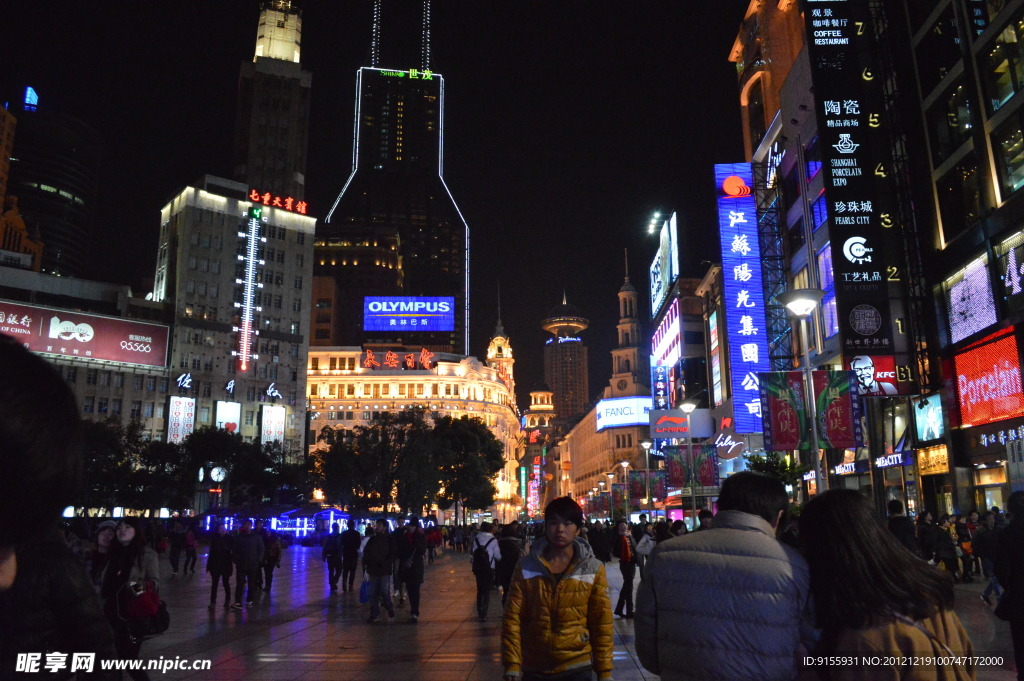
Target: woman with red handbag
(129,588)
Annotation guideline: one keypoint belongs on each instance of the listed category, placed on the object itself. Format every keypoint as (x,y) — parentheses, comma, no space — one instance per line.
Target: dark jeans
(127,646)
(413,589)
(626,595)
(380,593)
(268,575)
(175,556)
(484,584)
(333,571)
(993,583)
(190,559)
(213,588)
(348,571)
(245,577)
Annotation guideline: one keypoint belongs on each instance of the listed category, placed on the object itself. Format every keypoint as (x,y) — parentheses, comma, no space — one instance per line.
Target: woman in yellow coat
(558,618)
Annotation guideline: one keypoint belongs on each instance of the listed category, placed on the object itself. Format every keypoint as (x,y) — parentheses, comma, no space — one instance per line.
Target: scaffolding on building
(774,272)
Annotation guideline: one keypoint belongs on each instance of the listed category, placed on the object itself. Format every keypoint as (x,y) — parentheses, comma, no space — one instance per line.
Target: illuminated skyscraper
(565,361)
(395,229)
(273,107)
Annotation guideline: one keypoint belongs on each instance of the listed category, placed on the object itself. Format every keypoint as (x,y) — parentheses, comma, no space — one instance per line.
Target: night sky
(568,124)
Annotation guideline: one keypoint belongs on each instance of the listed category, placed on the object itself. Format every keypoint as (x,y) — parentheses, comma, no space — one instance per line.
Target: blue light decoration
(31,99)
(405,313)
(247,331)
(745,328)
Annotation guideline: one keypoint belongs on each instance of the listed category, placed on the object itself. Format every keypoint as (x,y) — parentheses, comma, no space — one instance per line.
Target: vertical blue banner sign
(746,334)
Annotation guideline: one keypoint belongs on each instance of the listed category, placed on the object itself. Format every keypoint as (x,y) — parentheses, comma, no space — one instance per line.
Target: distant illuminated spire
(627,263)
(425,45)
(375,36)
(565,300)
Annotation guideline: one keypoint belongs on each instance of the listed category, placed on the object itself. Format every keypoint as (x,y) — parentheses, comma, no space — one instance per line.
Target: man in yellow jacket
(558,618)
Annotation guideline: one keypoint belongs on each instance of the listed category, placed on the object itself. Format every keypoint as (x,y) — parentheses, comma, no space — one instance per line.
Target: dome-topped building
(565,361)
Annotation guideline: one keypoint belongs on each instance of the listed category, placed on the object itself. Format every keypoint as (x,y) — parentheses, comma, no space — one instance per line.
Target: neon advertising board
(716,359)
(969,301)
(745,326)
(860,190)
(228,416)
(620,412)
(250,247)
(988,380)
(284,202)
(181,418)
(272,423)
(50,331)
(391,313)
(659,385)
(665,268)
(665,343)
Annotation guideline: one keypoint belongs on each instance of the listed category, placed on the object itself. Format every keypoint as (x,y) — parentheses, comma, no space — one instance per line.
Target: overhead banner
(676,466)
(743,293)
(618,494)
(785,423)
(637,485)
(658,488)
(867,237)
(837,407)
(706,465)
(51,331)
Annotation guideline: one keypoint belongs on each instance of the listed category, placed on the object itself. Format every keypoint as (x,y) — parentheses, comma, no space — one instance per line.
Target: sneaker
(988,601)
(391,614)
(414,619)
(237,606)
(373,619)
(248,604)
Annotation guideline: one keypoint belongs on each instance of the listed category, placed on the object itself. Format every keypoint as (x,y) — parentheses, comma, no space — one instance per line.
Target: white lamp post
(625,485)
(646,444)
(688,408)
(801,303)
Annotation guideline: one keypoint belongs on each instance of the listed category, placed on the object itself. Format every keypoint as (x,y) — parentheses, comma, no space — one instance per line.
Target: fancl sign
(400,313)
(623,411)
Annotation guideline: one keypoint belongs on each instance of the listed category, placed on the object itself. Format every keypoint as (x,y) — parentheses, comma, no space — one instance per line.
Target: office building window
(91,376)
(1002,66)
(949,122)
(812,157)
(797,236)
(938,51)
(136,410)
(819,211)
(1008,143)
(101,405)
(115,406)
(147,410)
(960,198)
(89,405)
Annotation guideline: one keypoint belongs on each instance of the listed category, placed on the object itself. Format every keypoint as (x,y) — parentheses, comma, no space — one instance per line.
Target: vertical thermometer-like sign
(247,330)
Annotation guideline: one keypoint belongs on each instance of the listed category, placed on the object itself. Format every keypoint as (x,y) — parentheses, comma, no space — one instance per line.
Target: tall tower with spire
(499,353)
(396,199)
(272,130)
(565,360)
(630,367)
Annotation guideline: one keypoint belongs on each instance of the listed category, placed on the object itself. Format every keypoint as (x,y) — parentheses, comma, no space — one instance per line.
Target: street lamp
(625,485)
(646,444)
(801,303)
(688,407)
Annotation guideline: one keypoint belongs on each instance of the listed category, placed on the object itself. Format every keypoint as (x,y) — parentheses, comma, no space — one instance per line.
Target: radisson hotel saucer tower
(391,260)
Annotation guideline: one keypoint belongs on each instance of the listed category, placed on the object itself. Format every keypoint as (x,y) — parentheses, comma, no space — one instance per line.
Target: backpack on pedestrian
(481,558)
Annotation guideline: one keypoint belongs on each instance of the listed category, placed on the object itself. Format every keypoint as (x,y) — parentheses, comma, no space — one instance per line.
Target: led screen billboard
(623,411)
(988,380)
(65,333)
(969,301)
(228,416)
(272,423)
(928,418)
(408,313)
(665,268)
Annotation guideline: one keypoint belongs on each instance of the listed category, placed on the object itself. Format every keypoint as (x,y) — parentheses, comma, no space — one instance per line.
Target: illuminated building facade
(565,361)
(237,273)
(395,229)
(273,106)
(8,125)
(53,171)
(350,386)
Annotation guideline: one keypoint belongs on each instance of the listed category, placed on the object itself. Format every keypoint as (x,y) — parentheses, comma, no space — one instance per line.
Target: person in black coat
(412,547)
(247,553)
(598,538)
(351,540)
(218,564)
(47,600)
(1009,569)
(901,526)
(927,536)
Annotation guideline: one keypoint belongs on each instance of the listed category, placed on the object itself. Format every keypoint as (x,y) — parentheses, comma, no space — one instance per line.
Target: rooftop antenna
(425,41)
(627,263)
(565,301)
(375,36)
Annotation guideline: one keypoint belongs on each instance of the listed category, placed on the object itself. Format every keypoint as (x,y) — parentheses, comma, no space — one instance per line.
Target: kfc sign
(74,334)
(876,374)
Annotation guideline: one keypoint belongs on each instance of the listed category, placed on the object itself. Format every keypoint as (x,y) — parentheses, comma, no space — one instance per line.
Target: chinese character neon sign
(744,299)
(274,201)
(411,74)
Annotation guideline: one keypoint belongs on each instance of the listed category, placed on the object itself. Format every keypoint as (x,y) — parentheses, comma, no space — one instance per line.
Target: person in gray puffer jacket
(731,603)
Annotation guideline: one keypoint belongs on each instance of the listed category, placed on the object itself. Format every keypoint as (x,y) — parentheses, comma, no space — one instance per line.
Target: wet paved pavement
(300,630)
